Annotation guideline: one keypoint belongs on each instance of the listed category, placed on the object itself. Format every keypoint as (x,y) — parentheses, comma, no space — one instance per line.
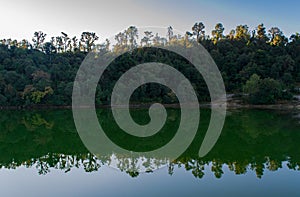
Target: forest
(262,65)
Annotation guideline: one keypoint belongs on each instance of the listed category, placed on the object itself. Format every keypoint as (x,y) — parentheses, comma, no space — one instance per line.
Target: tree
(132,36)
(147,38)
(217,33)
(276,36)
(261,32)
(38,39)
(198,31)
(242,33)
(121,44)
(49,48)
(262,91)
(87,40)
(66,42)
(59,44)
(74,43)
(251,85)
(24,44)
(295,37)
(157,40)
(170,33)
(231,34)
(57,61)
(31,94)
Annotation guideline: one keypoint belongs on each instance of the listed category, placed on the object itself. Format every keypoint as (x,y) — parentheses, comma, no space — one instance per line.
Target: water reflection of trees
(197,167)
(256,141)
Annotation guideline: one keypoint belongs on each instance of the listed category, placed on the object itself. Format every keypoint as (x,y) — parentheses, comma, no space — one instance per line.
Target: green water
(257,153)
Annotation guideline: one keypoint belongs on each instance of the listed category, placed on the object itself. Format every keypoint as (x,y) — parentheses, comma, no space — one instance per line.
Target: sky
(20,19)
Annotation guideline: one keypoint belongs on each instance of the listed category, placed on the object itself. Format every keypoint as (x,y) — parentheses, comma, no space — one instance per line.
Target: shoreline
(230,105)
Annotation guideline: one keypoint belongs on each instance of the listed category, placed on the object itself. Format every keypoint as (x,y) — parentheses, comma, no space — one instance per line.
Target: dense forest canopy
(263,64)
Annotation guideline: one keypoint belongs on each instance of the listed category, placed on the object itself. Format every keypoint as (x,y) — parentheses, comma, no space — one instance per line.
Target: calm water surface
(258,153)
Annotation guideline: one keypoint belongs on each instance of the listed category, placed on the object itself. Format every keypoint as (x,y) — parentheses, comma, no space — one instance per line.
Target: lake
(258,153)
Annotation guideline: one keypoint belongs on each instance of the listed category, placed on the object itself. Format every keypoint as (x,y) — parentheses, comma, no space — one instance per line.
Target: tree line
(263,64)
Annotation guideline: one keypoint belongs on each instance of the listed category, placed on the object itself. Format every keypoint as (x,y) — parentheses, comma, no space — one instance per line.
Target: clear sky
(20,18)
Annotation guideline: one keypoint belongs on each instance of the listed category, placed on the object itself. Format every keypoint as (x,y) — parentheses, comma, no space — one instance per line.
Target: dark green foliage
(27,70)
(265,91)
(47,140)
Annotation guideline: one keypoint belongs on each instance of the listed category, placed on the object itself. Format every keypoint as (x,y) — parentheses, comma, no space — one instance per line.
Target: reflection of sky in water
(110,182)
(254,142)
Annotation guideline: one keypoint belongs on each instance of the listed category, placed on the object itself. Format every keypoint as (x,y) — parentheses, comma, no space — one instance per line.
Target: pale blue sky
(19,18)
